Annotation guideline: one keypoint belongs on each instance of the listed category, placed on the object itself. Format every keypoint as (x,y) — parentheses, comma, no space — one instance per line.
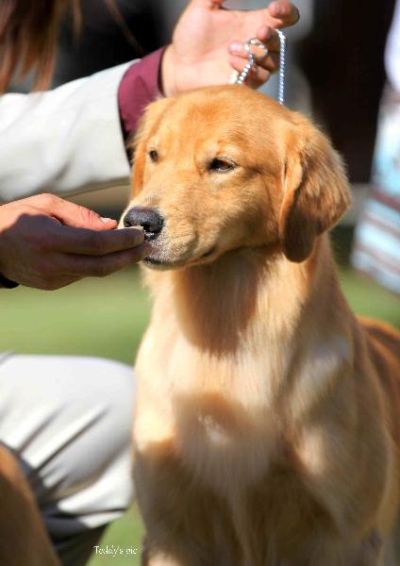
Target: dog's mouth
(209,253)
(166,263)
(160,263)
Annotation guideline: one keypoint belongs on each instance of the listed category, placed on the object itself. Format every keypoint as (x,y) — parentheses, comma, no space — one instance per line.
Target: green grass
(126,535)
(92,317)
(370,300)
(107,318)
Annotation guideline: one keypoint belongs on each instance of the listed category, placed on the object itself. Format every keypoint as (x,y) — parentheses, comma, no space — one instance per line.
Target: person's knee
(109,386)
(103,409)
(80,411)
(74,442)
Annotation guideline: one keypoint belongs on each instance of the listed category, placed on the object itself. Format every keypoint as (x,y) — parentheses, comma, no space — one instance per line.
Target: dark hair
(28,33)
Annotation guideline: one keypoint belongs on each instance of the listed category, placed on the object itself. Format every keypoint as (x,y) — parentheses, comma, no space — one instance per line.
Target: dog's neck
(254,328)
(248,299)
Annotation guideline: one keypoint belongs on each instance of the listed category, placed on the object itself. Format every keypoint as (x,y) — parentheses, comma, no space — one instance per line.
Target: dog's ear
(316,191)
(148,124)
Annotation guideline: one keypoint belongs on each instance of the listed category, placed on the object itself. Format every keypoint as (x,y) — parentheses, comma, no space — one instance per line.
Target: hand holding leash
(254,59)
(209,42)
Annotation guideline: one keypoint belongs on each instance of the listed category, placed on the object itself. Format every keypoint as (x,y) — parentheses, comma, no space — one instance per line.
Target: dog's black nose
(150,220)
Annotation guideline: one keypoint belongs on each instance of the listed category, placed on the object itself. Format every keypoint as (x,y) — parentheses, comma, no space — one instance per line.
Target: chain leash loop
(252,60)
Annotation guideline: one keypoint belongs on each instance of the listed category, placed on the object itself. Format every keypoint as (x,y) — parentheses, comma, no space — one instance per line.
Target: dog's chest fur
(216,413)
(221,411)
(230,464)
(219,425)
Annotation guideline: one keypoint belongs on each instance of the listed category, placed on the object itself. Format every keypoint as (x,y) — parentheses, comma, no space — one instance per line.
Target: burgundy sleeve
(139,87)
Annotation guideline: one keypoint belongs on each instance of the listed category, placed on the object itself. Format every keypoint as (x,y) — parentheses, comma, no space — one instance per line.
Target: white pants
(68,420)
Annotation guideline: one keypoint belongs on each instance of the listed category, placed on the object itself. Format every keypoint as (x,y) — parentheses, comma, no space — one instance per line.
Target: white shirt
(65,141)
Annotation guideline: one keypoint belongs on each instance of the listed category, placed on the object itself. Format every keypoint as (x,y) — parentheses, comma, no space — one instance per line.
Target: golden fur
(266,427)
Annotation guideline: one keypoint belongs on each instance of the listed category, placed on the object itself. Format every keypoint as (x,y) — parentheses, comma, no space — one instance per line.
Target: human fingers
(95,243)
(71,214)
(208,4)
(283,13)
(266,54)
(269,37)
(66,269)
(78,266)
(255,77)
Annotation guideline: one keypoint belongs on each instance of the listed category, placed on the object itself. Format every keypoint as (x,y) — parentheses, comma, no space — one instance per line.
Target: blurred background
(335,74)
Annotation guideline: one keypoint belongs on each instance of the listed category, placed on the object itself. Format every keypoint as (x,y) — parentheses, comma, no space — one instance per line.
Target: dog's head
(224,168)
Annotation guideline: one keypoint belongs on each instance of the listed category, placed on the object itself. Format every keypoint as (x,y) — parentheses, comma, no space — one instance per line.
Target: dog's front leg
(157,558)
(154,554)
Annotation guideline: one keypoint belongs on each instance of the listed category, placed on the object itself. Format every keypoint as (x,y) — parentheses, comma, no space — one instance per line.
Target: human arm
(69,140)
(207,46)
(64,140)
(45,241)
(206,33)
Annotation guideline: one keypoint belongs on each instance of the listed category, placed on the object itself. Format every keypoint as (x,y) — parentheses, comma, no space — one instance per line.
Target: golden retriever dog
(266,427)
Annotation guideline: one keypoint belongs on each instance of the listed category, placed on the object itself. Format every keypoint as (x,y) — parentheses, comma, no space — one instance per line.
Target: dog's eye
(153,154)
(221,165)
